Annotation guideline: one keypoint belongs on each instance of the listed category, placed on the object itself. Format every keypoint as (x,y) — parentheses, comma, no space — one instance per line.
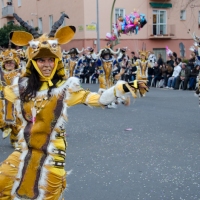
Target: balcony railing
(158,31)
(7,11)
(160,1)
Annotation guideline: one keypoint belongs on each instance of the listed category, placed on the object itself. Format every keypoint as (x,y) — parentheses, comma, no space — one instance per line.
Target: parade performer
(122,60)
(105,70)
(152,58)
(142,65)
(74,60)
(9,70)
(42,97)
(91,56)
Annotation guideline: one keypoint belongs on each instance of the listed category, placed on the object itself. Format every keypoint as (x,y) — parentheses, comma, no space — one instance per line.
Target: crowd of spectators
(172,74)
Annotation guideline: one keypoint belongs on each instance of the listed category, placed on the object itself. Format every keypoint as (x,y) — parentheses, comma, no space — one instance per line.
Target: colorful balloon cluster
(129,24)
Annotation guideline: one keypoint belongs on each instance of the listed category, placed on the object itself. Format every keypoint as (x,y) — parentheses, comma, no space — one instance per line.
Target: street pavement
(159,159)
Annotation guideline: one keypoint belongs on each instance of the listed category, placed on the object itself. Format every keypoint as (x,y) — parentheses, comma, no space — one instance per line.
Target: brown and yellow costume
(142,67)
(105,70)
(73,61)
(37,171)
(6,78)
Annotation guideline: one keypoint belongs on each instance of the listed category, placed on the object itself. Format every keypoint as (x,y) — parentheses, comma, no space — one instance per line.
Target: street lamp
(111,21)
(98,37)
(111,16)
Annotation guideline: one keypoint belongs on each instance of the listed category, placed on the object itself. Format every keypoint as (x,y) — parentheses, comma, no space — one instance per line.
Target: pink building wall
(83,12)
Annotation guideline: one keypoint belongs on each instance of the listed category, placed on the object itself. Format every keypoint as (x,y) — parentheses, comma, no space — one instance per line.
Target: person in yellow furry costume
(36,171)
(142,66)
(9,70)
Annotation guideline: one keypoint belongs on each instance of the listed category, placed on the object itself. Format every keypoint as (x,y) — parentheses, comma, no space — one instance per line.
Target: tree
(5,31)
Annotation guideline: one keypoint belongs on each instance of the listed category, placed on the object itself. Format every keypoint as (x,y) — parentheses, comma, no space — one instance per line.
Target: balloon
(126,25)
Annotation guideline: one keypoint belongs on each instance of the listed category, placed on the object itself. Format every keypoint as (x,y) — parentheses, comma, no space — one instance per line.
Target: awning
(160,5)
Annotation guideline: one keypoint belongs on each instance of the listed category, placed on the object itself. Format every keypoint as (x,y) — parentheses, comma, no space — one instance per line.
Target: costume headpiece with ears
(45,45)
(144,52)
(10,55)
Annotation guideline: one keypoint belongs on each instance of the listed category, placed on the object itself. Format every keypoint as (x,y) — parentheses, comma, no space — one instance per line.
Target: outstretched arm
(77,95)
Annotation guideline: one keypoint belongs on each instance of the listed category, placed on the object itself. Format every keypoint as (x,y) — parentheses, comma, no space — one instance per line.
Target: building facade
(170,22)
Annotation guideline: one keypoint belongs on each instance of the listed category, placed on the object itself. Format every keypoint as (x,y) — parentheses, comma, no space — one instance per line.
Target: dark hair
(179,60)
(175,54)
(34,85)
(176,62)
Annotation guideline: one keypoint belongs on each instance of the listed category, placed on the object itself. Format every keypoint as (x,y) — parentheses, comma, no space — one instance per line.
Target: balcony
(7,11)
(156,31)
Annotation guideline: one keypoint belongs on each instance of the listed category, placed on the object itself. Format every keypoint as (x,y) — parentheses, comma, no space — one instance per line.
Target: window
(119,12)
(40,28)
(159,22)
(183,15)
(32,24)
(2,3)
(182,49)
(50,22)
(161,51)
(199,19)
(19,3)
(64,22)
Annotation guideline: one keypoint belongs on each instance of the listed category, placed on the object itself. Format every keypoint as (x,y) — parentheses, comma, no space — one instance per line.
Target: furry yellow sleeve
(9,93)
(2,122)
(83,97)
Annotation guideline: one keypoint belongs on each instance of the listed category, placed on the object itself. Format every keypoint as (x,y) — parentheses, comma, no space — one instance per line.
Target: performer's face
(46,66)
(10,65)
(107,56)
(73,55)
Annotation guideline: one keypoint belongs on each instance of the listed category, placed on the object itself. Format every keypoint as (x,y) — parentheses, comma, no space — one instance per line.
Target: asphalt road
(159,159)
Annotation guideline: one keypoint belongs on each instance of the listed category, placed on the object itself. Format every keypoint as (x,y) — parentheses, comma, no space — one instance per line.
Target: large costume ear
(65,34)
(20,38)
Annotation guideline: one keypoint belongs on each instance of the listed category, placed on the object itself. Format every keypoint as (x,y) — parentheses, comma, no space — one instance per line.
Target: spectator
(130,72)
(171,61)
(150,74)
(193,77)
(84,71)
(179,60)
(183,76)
(90,72)
(191,61)
(163,70)
(172,80)
(95,76)
(160,60)
(133,57)
(157,74)
(175,56)
(168,74)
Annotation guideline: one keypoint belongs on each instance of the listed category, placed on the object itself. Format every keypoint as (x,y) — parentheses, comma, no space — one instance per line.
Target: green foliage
(5,31)
(185,61)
